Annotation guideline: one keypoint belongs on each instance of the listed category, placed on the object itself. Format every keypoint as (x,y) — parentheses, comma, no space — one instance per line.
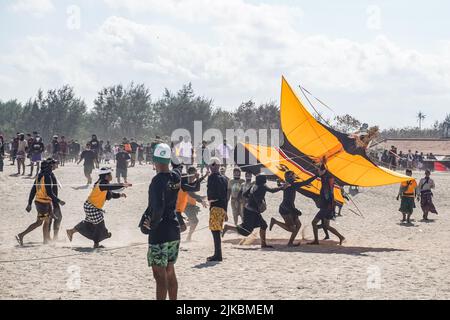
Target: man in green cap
(161,224)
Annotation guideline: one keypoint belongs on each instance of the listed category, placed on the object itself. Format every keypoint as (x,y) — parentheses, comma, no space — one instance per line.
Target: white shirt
(185,149)
(224,151)
(425,186)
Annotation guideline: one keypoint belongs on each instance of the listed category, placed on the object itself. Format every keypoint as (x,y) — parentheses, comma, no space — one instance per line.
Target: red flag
(438,166)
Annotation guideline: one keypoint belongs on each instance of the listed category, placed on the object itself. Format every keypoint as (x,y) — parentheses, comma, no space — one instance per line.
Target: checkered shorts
(93,215)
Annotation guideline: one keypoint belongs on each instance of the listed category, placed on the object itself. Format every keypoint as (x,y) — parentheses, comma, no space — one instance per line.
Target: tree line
(130,111)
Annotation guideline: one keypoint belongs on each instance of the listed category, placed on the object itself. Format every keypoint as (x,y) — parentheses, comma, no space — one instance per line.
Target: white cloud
(37,8)
(240,53)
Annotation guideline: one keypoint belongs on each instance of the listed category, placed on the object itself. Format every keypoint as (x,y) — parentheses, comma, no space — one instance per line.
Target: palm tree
(420,117)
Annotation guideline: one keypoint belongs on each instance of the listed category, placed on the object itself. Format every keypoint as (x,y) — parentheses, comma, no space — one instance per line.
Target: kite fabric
(344,159)
(254,158)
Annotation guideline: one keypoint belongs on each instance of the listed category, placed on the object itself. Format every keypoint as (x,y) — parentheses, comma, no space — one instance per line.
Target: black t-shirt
(290,193)
(217,189)
(55,146)
(122,157)
(327,192)
(162,194)
(76,147)
(134,147)
(107,148)
(95,145)
(37,147)
(89,157)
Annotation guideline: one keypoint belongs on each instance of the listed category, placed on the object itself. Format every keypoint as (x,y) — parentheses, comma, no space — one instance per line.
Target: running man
(89,158)
(255,206)
(161,224)
(425,195)
(327,206)
(235,194)
(287,210)
(44,197)
(93,226)
(189,185)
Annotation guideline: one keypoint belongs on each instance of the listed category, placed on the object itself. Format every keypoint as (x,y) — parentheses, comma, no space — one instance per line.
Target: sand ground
(380,260)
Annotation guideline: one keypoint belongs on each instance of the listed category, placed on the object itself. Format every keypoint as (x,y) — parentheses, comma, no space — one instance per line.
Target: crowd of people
(174,195)
(399,160)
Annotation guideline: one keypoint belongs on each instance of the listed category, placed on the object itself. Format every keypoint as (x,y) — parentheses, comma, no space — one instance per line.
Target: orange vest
(182,201)
(97,197)
(410,188)
(41,192)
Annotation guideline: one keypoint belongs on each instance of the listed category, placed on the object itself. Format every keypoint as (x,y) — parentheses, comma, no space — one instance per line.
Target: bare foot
(341,241)
(19,239)
(314,243)
(266,246)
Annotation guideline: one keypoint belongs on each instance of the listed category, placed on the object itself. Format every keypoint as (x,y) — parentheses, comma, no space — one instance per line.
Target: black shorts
(121,172)
(325,214)
(251,221)
(191,212)
(44,210)
(285,211)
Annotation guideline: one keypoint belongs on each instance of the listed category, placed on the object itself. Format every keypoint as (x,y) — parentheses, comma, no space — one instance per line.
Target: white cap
(162,153)
(214,161)
(104,171)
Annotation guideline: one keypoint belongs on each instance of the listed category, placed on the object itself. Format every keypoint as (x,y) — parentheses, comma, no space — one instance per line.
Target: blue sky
(381,61)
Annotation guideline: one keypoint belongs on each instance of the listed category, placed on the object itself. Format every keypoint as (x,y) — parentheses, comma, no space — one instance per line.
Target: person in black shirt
(89,158)
(253,209)
(37,148)
(94,145)
(55,147)
(107,151)
(2,152)
(45,200)
(217,192)
(134,147)
(122,159)
(161,224)
(326,205)
(76,149)
(56,218)
(287,210)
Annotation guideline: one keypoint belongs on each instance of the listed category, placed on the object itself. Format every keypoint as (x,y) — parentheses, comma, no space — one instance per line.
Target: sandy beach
(380,260)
